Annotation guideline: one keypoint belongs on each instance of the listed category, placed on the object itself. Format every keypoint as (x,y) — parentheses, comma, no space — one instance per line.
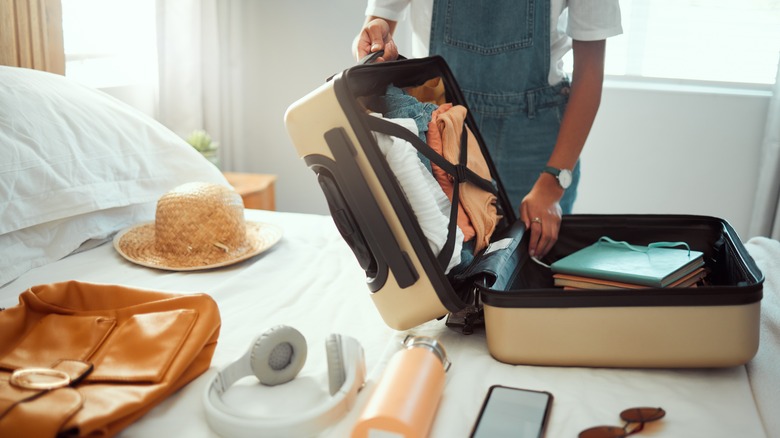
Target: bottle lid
(432,344)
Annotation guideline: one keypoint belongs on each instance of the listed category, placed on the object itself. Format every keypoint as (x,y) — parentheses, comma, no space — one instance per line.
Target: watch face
(564,178)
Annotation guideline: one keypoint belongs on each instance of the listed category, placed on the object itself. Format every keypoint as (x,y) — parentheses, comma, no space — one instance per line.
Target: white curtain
(765,220)
(200,65)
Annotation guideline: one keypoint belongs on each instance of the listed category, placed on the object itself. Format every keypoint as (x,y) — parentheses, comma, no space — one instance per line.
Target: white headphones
(276,357)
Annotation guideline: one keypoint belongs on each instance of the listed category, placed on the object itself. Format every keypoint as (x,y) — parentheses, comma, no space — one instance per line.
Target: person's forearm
(584,101)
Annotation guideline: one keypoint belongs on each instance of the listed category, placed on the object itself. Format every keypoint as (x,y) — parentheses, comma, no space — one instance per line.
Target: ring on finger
(536,220)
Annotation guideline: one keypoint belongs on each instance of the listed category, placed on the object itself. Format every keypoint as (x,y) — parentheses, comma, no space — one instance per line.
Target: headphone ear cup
(278,355)
(337,374)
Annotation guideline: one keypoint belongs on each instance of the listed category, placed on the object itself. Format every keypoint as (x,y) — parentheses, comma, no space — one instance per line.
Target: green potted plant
(202,142)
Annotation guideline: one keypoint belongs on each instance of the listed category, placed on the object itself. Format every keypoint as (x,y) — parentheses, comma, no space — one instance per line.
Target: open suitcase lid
(366,228)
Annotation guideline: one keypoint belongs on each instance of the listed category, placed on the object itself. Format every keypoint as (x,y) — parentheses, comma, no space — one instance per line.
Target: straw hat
(196,226)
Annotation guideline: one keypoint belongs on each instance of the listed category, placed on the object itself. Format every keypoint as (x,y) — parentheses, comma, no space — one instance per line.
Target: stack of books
(608,264)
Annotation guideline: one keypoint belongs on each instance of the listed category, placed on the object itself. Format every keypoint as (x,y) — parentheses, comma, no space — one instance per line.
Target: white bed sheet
(311,281)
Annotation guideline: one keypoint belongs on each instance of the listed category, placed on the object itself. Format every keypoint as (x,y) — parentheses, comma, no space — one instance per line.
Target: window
(734,41)
(110,43)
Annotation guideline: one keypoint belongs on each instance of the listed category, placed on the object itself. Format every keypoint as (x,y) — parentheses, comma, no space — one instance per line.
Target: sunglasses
(632,416)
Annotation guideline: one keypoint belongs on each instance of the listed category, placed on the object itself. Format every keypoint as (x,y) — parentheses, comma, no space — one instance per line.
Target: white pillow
(77,159)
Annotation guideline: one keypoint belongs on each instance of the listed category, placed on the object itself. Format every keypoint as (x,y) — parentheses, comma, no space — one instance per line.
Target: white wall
(291,48)
(675,150)
(671,150)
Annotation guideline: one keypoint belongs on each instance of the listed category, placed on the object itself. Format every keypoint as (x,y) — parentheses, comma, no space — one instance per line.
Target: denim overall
(499,52)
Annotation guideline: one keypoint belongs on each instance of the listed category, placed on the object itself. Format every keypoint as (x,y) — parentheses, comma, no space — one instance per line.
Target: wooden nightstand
(256,189)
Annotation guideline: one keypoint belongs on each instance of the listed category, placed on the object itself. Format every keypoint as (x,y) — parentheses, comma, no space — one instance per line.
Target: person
(506,55)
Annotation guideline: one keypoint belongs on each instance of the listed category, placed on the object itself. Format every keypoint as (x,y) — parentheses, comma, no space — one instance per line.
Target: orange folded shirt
(478,206)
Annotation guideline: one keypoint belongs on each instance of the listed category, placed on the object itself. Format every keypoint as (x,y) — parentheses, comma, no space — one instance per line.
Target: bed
(80,166)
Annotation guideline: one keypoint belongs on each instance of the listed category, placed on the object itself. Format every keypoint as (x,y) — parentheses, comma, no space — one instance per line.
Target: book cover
(655,265)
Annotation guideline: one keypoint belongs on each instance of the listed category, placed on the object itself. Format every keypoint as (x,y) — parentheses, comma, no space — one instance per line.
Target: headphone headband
(347,373)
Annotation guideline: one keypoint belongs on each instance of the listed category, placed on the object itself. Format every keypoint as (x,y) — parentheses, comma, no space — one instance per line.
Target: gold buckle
(40,378)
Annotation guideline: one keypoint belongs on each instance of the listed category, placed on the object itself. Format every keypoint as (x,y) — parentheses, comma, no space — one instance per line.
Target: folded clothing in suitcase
(527,320)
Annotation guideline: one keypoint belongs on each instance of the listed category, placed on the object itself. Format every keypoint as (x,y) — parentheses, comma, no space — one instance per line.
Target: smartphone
(513,412)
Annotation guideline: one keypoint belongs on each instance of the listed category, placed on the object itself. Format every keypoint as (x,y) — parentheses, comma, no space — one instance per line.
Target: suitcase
(526,319)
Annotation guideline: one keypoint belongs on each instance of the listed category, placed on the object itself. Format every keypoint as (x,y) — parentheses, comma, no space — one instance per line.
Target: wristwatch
(562,175)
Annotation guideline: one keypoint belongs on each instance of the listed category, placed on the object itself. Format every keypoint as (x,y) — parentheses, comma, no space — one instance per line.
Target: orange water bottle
(406,398)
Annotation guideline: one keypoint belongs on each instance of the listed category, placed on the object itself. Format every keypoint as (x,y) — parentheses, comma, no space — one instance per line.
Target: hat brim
(137,245)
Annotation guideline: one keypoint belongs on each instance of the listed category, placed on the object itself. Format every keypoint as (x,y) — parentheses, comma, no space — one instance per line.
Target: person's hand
(376,35)
(540,211)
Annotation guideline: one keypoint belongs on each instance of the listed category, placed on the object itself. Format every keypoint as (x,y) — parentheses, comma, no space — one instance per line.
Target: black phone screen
(513,412)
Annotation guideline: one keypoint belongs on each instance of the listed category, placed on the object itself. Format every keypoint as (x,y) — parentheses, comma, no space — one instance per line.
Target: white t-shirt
(584,20)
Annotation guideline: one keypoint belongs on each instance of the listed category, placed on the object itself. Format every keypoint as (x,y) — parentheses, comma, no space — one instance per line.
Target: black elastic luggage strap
(460,172)
(449,246)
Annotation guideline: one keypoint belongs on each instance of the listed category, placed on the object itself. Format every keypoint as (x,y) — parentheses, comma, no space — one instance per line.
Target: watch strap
(562,176)
(554,171)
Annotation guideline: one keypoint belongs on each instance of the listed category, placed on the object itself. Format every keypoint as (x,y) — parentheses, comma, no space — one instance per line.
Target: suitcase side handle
(372,57)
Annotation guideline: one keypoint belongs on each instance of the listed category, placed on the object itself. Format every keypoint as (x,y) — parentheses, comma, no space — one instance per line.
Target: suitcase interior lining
(732,278)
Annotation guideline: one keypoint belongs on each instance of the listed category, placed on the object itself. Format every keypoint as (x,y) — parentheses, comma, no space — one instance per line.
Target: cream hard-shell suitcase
(527,320)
